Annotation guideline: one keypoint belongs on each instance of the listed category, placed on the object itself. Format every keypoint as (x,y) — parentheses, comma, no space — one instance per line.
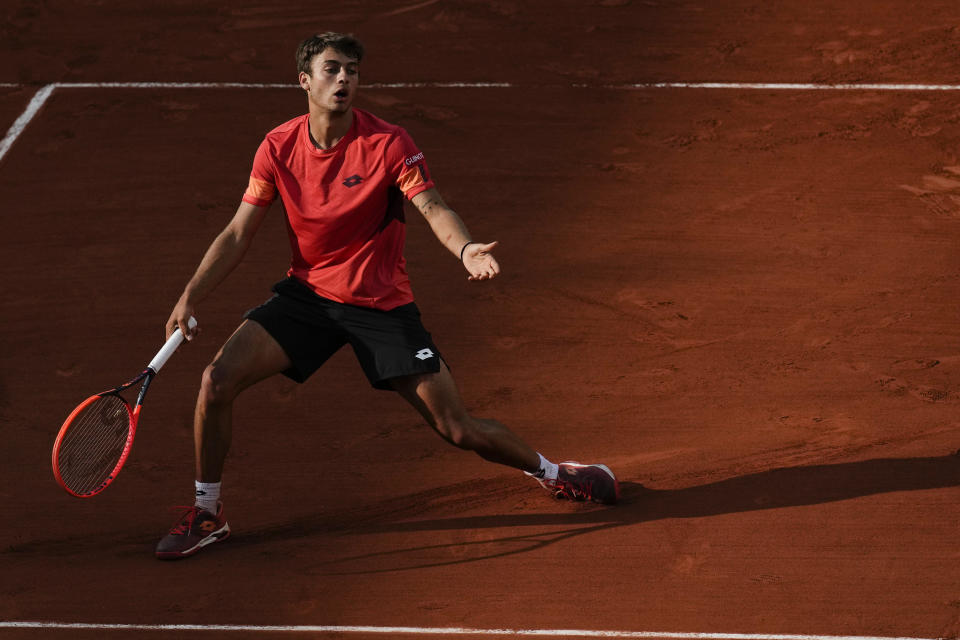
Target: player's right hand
(179,318)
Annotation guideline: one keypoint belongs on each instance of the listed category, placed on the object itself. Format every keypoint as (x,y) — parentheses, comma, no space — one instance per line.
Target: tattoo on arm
(427,207)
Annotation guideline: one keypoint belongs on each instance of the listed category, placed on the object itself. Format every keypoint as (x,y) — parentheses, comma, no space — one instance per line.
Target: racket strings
(94,444)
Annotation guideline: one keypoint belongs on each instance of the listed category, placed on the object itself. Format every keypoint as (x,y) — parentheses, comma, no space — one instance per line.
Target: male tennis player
(342,175)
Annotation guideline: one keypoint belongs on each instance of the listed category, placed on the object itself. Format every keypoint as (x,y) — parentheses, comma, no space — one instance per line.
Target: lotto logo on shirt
(412,160)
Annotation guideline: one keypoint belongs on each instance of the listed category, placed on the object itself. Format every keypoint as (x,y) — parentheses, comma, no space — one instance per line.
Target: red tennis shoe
(196,529)
(584,482)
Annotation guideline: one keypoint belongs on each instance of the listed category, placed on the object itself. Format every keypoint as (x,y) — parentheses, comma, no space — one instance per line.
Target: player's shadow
(773,489)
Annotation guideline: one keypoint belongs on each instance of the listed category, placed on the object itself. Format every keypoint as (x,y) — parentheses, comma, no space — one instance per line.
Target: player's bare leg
(438,400)
(436,397)
(249,356)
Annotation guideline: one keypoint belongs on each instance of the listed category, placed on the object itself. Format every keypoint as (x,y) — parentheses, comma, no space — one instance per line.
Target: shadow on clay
(773,489)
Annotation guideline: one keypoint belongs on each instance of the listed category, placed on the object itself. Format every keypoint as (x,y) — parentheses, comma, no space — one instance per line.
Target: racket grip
(173,342)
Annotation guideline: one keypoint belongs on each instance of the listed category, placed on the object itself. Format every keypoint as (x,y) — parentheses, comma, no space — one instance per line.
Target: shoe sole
(217,536)
(606,469)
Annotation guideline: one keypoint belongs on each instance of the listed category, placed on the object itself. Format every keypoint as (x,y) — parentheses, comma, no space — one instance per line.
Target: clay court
(742,298)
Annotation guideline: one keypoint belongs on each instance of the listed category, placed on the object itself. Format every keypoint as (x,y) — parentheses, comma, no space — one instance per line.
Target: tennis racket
(95,440)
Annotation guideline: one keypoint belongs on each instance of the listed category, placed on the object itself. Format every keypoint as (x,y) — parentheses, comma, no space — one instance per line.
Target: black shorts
(311,328)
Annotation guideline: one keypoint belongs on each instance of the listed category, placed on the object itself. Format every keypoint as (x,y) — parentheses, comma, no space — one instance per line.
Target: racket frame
(133,414)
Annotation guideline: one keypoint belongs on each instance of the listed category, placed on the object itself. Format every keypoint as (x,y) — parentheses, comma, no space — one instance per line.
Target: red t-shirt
(344,206)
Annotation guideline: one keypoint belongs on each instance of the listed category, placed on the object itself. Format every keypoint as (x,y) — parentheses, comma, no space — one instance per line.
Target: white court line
(786,86)
(38,100)
(172,85)
(274,85)
(44,93)
(774,86)
(451,631)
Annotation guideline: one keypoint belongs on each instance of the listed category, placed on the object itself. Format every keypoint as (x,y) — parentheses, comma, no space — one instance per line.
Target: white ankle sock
(208,494)
(547,471)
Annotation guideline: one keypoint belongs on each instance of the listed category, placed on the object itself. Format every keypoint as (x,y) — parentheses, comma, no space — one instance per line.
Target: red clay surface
(744,302)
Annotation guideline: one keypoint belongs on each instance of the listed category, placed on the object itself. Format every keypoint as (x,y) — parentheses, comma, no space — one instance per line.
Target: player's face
(332,83)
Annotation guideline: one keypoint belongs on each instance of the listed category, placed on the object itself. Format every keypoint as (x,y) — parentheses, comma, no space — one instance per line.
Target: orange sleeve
(259,192)
(407,161)
(262,188)
(413,180)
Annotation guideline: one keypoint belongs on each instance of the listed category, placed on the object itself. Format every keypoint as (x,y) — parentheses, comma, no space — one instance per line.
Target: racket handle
(174,341)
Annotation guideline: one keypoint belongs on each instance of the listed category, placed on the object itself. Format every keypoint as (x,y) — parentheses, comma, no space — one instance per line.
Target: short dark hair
(344,43)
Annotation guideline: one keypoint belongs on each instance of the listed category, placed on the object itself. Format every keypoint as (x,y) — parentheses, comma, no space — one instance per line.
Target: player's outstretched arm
(476,257)
(223,255)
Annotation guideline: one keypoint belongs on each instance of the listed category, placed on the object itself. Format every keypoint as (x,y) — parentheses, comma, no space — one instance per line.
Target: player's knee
(462,432)
(217,387)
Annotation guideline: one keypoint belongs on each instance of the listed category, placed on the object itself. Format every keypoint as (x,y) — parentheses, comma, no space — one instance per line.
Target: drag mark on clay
(940,193)
(412,7)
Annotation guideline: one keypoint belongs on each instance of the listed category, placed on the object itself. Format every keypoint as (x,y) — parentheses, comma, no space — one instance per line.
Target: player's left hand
(479,261)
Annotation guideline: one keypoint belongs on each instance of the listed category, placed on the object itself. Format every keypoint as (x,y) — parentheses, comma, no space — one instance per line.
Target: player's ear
(304,80)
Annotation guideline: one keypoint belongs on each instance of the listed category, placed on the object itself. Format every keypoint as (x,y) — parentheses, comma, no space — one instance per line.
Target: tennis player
(342,176)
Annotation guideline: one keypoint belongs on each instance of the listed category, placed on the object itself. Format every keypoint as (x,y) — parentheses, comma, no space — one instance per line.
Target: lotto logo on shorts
(424,354)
